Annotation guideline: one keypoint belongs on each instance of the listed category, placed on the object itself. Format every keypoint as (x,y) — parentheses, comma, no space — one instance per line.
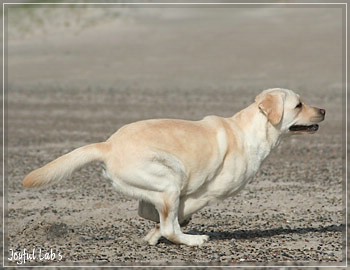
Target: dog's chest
(236,172)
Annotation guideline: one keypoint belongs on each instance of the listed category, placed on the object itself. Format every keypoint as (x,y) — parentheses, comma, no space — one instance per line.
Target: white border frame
(183,4)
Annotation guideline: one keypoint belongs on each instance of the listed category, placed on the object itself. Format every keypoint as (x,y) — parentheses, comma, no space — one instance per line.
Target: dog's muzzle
(310,128)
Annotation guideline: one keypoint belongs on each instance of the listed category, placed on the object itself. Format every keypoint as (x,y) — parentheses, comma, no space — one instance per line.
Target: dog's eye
(299,105)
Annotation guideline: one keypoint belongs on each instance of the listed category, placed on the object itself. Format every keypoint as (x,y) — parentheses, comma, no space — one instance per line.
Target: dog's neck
(260,135)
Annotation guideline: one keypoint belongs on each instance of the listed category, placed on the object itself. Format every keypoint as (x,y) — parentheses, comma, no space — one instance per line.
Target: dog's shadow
(256,233)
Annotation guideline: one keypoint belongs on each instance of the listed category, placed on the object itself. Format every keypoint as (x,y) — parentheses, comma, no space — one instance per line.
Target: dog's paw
(153,236)
(153,241)
(194,240)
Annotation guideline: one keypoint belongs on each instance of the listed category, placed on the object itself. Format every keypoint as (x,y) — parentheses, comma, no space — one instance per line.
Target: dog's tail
(62,167)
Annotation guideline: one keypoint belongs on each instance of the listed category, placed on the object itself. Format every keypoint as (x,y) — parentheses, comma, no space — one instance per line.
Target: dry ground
(77,79)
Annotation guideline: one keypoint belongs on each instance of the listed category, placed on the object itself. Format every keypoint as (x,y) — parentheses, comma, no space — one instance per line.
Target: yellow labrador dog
(176,167)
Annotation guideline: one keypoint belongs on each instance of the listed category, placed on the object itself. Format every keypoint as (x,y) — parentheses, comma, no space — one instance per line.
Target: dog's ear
(272,107)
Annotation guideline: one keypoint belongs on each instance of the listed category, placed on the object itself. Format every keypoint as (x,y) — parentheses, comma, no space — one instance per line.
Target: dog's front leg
(169,224)
(187,207)
(154,235)
(148,211)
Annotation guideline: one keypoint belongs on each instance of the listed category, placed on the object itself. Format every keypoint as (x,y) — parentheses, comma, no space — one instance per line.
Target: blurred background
(162,52)
(265,45)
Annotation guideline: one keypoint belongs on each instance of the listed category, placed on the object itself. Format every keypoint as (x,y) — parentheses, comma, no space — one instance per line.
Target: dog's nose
(323,112)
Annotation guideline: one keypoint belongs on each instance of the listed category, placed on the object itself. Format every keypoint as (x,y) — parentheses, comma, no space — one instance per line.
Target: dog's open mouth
(304,128)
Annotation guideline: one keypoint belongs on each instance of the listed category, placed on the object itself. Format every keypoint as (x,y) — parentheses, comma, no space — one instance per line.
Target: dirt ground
(77,78)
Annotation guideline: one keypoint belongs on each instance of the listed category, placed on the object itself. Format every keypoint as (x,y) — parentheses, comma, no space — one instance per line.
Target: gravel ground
(69,87)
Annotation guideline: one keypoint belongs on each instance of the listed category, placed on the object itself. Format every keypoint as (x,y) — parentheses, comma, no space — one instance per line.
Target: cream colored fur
(177,167)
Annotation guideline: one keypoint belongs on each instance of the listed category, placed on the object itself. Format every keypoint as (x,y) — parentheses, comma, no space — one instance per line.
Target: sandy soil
(76,80)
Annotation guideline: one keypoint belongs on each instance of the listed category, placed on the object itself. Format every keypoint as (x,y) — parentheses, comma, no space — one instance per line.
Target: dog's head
(287,112)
